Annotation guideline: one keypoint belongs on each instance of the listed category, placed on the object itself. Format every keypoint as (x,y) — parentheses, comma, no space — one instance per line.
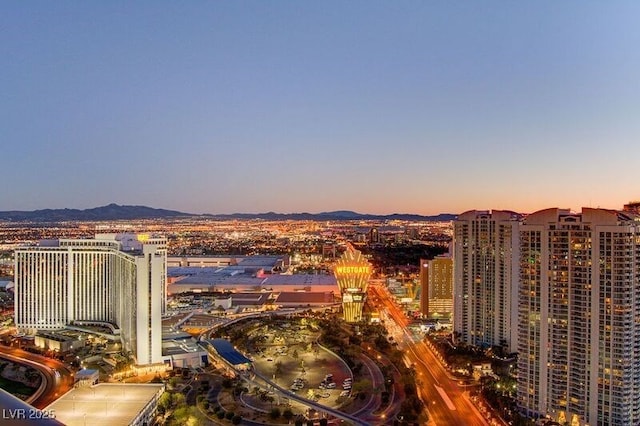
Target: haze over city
(376,107)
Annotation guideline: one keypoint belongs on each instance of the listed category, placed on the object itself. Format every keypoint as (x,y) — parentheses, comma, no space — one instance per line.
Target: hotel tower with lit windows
(579,317)
(117,279)
(486,278)
(352,272)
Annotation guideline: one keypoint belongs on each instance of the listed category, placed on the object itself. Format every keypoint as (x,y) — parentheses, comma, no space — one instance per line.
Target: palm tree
(278,369)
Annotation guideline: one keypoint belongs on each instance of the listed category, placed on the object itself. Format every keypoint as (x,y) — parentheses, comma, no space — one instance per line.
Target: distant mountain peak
(115,211)
(111,211)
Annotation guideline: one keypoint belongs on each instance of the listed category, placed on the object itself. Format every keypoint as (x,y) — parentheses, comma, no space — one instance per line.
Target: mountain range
(118,212)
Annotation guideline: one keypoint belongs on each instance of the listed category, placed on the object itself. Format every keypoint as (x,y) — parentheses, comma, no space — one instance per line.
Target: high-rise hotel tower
(115,279)
(486,278)
(579,316)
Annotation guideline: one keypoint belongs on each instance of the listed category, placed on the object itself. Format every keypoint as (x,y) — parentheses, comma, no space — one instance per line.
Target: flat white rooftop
(105,403)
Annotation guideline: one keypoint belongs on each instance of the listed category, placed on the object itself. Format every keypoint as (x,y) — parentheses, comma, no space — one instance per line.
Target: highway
(445,401)
(56,384)
(377,382)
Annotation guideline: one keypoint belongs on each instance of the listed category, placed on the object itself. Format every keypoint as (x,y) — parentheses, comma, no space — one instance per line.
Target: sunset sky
(290,106)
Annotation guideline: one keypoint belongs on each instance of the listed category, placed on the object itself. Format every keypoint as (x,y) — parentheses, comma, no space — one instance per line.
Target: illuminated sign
(352,273)
(353,270)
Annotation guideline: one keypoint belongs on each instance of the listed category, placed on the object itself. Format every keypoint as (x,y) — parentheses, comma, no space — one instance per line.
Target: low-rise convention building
(57,341)
(223,350)
(183,351)
(86,377)
(250,274)
(241,302)
(298,299)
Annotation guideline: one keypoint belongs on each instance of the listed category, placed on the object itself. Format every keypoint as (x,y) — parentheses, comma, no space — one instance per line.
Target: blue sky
(288,106)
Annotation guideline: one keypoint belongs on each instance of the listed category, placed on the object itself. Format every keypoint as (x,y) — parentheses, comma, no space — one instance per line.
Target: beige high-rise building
(441,287)
(486,278)
(579,317)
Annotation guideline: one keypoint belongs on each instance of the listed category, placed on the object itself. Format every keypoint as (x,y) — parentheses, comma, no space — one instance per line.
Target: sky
(374,106)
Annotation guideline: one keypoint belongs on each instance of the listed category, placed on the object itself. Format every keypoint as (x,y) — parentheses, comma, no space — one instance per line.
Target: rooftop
(303,297)
(225,349)
(249,299)
(300,279)
(236,275)
(176,347)
(105,403)
(57,336)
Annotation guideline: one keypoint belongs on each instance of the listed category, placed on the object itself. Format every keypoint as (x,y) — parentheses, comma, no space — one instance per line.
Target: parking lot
(292,359)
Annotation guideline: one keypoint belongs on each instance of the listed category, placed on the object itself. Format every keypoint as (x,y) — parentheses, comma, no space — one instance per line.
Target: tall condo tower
(486,278)
(579,317)
(116,279)
(352,272)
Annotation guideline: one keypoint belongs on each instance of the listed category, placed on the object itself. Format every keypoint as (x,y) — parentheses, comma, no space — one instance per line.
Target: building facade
(486,278)
(352,271)
(116,279)
(423,278)
(440,285)
(579,317)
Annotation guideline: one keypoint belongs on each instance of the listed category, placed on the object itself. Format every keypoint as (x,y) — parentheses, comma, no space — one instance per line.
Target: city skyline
(374,107)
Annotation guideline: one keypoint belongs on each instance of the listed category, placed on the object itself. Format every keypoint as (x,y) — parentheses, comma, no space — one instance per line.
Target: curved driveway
(55,385)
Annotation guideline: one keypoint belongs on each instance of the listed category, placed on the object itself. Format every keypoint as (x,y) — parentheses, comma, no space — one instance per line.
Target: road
(377,382)
(57,384)
(444,399)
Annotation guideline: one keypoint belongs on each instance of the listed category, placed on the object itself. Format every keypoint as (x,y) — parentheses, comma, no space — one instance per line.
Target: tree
(316,351)
(178,400)
(236,420)
(287,414)
(278,368)
(164,402)
(275,413)
(186,416)
(363,385)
